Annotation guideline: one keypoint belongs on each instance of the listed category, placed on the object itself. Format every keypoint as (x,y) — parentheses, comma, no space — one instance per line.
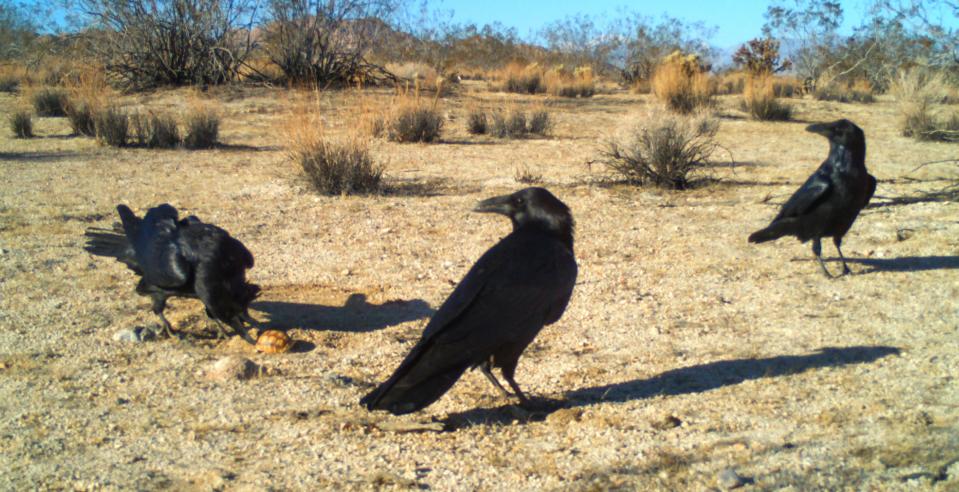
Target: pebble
(728,479)
(233,367)
(135,335)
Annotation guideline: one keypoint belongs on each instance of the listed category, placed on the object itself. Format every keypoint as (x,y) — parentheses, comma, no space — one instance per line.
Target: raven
(181,258)
(830,200)
(519,285)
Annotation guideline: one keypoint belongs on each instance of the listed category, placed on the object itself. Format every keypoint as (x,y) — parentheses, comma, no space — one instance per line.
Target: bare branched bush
(144,44)
(682,85)
(326,42)
(202,128)
(662,149)
(21,124)
(49,101)
(760,101)
(112,126)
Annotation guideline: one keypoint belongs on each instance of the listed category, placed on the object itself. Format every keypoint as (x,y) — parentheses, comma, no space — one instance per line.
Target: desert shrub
(81,117)
(112,126)
(787,87)
(682,86)
(202,128)
(338,167)
(50,101)
(155,130)
(21,123)
(521,79)
(662,150)
(859,91)
(564,84)
(760,101)
(415,120)
(539,122)
(731,83)
(916,92)
(476,121)
(919,122)
(11,77)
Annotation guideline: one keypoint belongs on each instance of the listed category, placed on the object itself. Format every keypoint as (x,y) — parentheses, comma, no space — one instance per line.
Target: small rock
(2,251)
(233,367)
(903,234)
(668,422)
(346,272)
(135,335)
(728,479)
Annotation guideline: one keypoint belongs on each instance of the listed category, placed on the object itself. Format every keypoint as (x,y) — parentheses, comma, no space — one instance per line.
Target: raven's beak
(824,129)
(497,205)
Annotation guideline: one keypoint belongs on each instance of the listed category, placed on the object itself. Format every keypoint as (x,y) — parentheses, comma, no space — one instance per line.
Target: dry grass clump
(731,83)
(682,86)
(156,130)
(202,128)
(50,101)
(21,123)
(509,123)
(89,94)
(761,102)
(423,76)
(662,149)
(579,83)
(523,79)
(476,121)
(342,166)
(857,91)
(917,91)
(11,77)
(112,126)
(414,119)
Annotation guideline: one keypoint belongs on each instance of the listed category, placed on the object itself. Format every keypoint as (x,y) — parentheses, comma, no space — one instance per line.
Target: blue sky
(736,21)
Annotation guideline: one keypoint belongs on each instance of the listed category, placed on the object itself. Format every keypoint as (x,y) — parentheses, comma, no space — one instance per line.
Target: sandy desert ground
(685,350)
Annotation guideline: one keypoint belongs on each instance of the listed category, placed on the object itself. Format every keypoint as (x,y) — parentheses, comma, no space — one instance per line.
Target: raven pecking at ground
(181,258)
(830,200)
(518,286)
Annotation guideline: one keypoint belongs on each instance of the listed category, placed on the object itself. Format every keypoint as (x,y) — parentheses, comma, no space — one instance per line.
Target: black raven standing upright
(181,258)
(830,200)
(518,286)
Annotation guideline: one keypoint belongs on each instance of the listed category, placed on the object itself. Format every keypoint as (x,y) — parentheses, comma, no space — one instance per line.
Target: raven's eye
(518,200)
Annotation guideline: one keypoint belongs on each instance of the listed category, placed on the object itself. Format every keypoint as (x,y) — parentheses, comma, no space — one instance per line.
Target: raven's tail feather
(774,231)
(400,396)
(106,242)
(111,243)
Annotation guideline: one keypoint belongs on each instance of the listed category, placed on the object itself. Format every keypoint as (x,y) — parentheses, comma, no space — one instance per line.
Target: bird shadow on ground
(687,380)
(355,315)
(37,157)
(905,263)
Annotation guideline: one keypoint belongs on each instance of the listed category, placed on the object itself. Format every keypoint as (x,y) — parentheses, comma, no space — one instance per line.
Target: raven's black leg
(838,241)
(508,371)
(221,333)
(159,304)
(238,327)
(817,250)
(486,369)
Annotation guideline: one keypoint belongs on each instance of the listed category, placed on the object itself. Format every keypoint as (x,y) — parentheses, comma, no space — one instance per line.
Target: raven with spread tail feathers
(181,258)
(519,285)
(830,200)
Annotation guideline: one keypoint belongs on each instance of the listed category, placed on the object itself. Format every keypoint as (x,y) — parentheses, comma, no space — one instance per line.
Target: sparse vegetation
(521,79)
(50,101)
(539,122)
(339,167)
(510,123)
(858,91)
(682,85)
(916,92)
(662,149)
(112,126)
(579,83)
(21,123)
(202,128)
